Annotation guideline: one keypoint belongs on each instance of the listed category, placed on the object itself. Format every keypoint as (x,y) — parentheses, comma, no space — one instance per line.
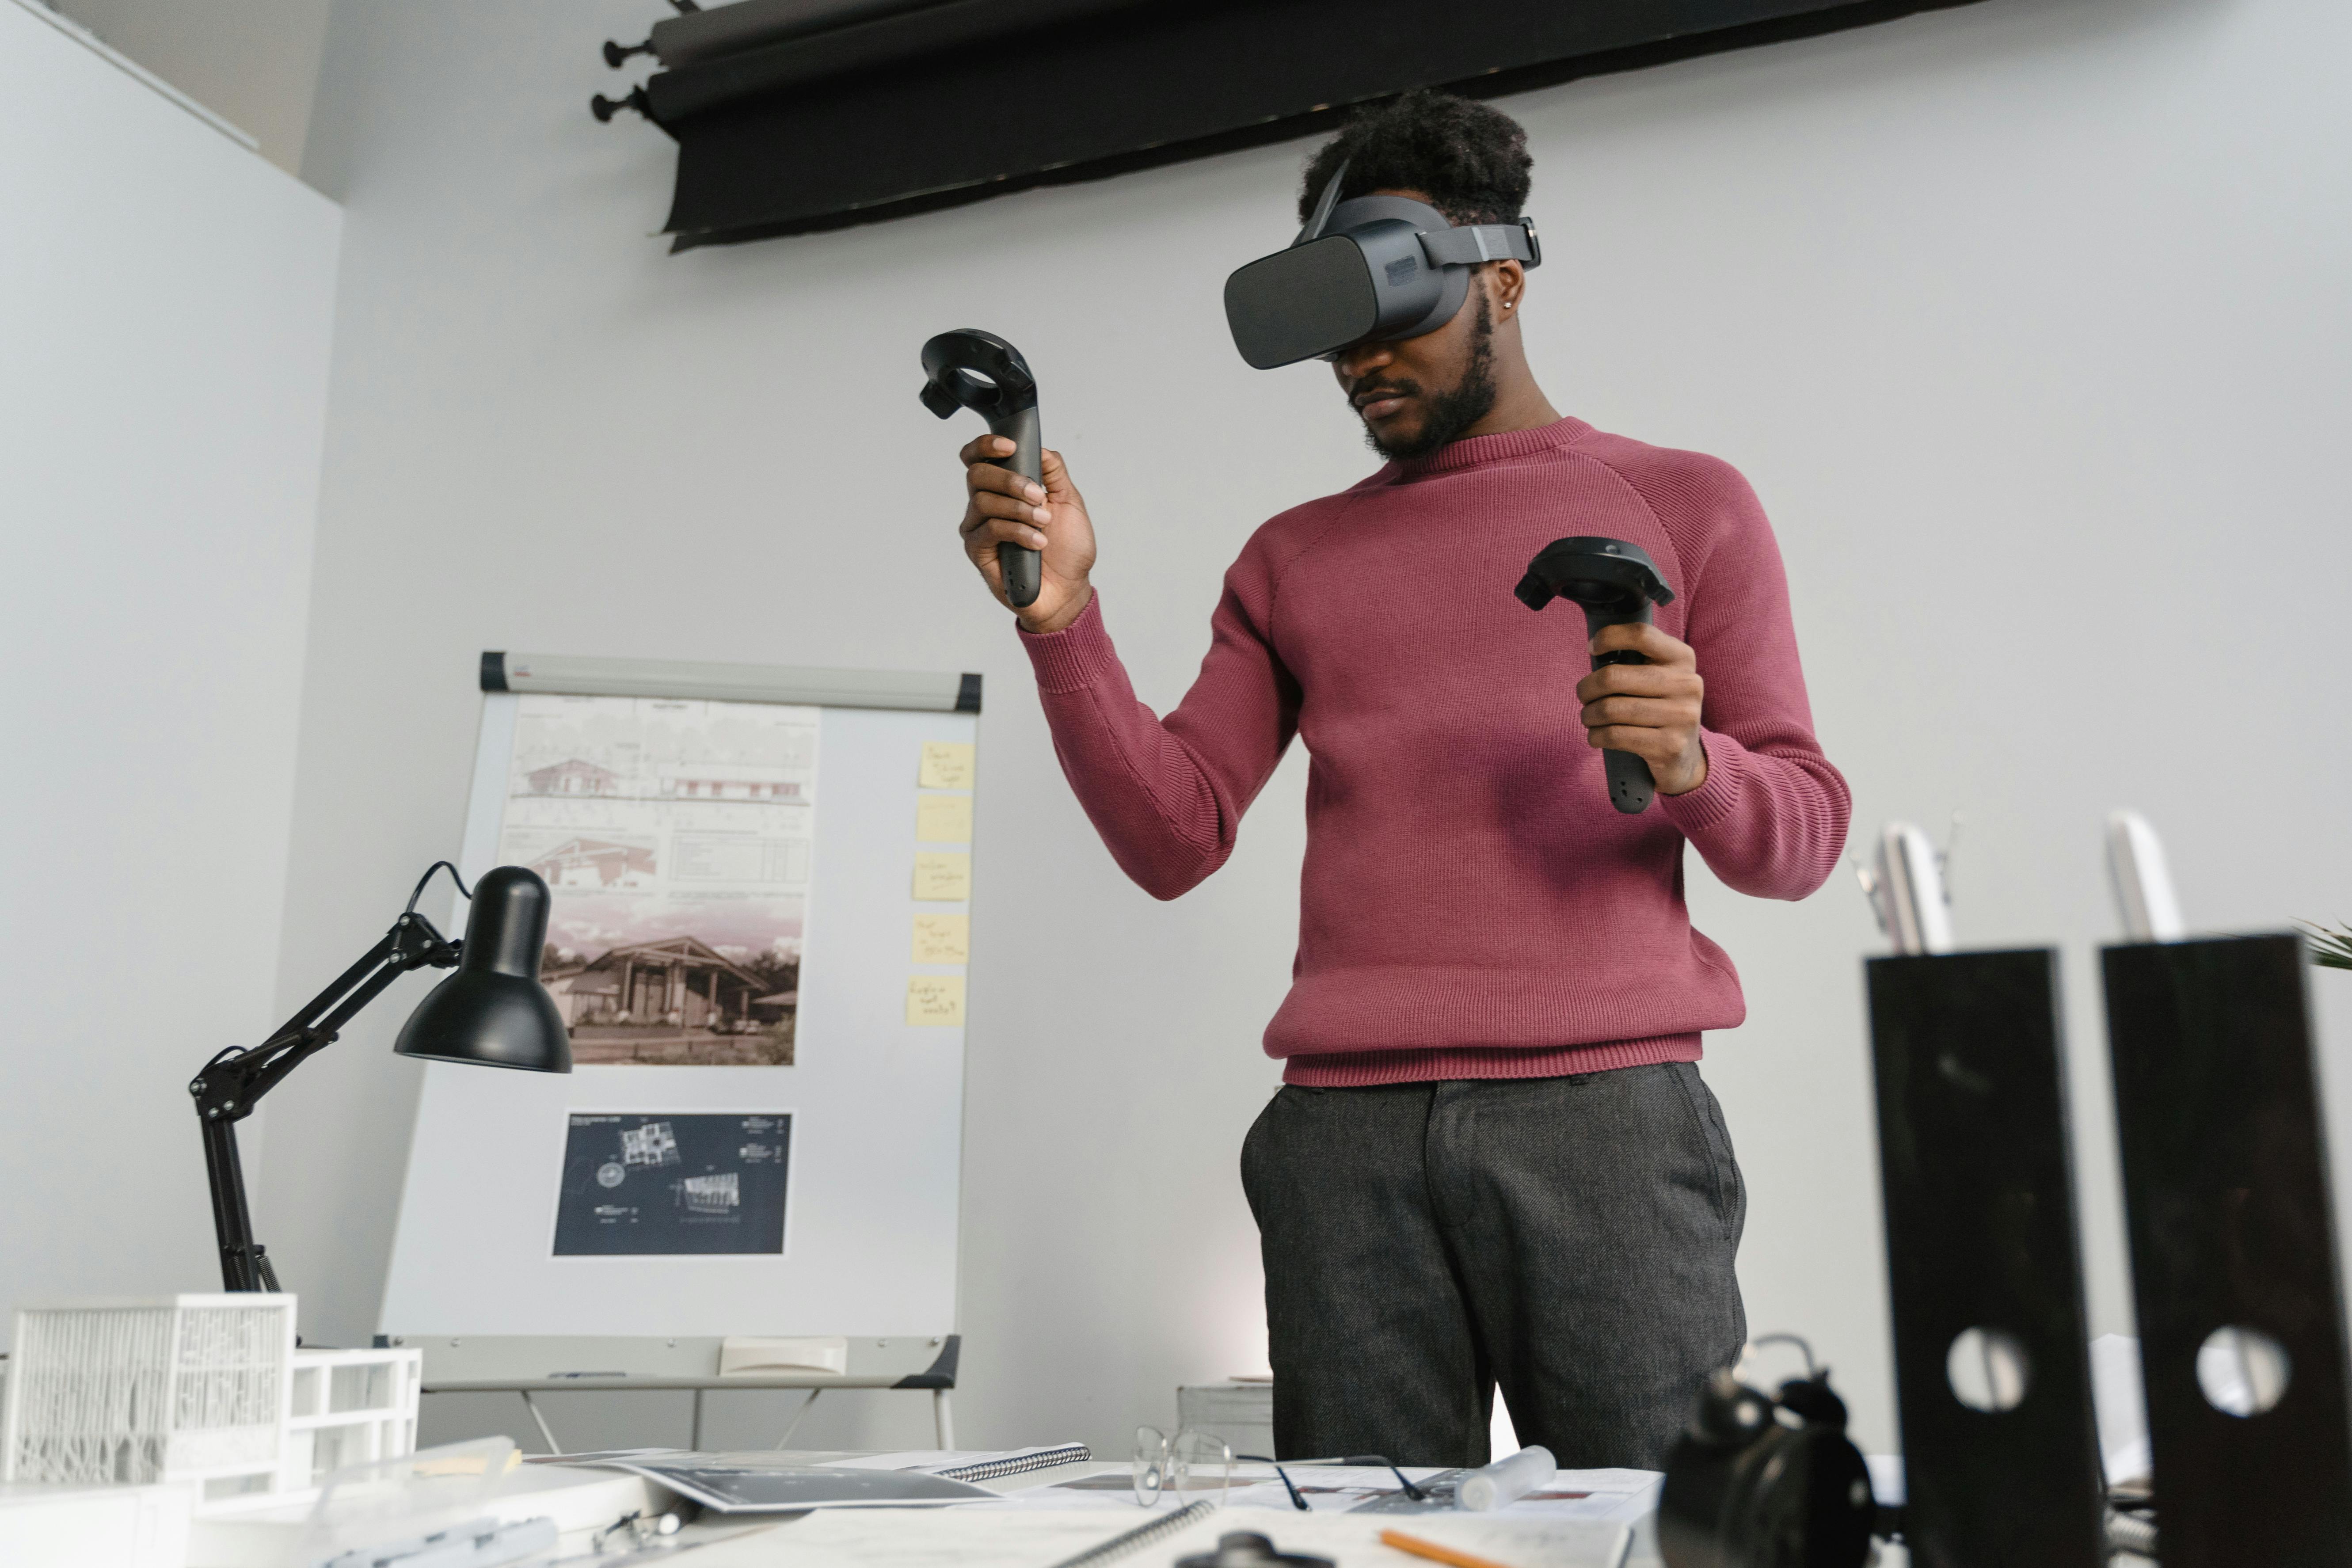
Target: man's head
(1470,162)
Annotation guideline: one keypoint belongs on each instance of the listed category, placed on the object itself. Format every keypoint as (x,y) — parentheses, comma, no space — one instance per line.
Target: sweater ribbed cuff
(1075,657)
(1709,804)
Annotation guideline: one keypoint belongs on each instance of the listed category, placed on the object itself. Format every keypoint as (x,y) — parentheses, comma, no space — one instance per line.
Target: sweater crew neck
(1501,446)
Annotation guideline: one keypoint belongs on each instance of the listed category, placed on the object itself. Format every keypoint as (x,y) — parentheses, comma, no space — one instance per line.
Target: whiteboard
(874,1103)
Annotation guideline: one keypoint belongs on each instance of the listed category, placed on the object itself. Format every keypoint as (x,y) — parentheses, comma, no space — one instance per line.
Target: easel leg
(943,1417)
(532,1405)
(793,1424)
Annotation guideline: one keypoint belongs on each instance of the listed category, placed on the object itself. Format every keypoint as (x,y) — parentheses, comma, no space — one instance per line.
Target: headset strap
(1472,243)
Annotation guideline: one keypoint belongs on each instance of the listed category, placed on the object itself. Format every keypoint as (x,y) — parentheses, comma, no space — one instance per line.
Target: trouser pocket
(1257,1149)
(1715,1135)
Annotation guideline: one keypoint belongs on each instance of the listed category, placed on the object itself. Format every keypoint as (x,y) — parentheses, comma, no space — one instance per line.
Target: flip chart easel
(769,1166)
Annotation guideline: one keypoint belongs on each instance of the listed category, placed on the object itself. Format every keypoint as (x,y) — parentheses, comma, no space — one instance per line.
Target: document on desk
(1326,1489)
(1018,1538)
(943,1538)
(768,1483)
(1585,1495)
(1612,1496)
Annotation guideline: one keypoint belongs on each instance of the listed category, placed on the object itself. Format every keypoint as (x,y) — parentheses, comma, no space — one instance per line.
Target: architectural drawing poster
(676,836)
(640,1186)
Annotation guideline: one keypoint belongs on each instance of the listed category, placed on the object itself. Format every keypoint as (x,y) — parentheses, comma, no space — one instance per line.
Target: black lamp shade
(493,1012)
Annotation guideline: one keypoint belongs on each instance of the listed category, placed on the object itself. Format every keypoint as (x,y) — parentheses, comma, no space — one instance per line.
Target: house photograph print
(675,837)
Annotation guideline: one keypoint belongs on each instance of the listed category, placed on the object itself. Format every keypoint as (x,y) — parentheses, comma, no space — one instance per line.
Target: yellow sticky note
(947,765)
(942,938)
(935,999)
(942,875)
(943,818)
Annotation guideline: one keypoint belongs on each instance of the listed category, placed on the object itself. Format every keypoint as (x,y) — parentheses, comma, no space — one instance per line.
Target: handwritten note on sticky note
(942,938)
(943,818)
(947,765)
(942,875)
(935,999)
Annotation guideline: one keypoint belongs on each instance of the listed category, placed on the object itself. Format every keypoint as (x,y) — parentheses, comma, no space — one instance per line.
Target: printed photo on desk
(676,836)
(638,1186)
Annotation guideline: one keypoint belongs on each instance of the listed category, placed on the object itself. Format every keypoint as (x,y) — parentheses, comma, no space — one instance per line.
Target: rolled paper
(1506,1481)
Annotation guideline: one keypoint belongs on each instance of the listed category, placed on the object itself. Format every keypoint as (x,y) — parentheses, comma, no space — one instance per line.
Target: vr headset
(1372,269)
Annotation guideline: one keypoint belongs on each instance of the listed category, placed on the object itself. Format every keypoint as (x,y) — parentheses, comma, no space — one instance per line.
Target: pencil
(1430,1548)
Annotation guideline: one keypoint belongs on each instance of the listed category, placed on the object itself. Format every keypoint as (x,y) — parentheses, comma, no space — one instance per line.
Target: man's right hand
(1003,508)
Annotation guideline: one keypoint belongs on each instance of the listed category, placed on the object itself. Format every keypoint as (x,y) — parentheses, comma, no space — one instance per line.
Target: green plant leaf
(2329,948)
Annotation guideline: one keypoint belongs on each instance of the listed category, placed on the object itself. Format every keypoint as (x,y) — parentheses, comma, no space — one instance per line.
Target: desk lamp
(493,1013)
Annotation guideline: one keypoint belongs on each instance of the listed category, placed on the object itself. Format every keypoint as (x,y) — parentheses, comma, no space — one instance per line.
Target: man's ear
(1506,285)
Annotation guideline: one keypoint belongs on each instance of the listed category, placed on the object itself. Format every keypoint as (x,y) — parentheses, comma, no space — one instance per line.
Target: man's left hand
(1650,710)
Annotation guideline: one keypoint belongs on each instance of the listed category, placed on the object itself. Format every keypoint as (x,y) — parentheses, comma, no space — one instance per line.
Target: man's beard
(1458,407)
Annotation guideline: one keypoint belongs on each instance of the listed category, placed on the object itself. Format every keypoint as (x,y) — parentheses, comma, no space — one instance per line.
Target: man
(1492,1161)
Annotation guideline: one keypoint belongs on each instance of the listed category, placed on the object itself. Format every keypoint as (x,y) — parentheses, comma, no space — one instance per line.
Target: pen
(1430,1548)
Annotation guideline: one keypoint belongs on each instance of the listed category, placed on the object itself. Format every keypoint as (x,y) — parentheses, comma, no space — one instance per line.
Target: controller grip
(1631,787)
(1024,569)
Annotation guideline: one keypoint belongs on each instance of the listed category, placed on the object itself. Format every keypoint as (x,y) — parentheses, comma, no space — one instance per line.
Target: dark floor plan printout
(654,1184)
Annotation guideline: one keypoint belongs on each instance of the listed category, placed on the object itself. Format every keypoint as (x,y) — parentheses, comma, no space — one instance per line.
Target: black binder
(2225,1184)
(1981,1234)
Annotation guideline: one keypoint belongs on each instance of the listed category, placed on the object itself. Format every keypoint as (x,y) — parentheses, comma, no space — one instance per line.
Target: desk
(1044,1528)
(985,1538)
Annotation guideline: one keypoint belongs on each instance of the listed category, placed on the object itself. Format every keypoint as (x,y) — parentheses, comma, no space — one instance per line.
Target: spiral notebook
(987,1465)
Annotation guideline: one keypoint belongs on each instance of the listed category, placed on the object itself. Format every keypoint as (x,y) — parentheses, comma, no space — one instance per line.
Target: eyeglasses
(1353,1462)
(1189,1463)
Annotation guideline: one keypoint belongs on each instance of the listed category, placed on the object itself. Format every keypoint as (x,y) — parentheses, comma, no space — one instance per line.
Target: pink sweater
(1470,906)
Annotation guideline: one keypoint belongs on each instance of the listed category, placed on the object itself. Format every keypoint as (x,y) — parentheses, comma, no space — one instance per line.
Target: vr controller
(1371,269)
(971,369)
(1617,584)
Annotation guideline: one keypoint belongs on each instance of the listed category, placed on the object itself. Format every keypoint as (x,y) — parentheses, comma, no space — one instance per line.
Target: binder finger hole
(2243,1371)
(1988,1370)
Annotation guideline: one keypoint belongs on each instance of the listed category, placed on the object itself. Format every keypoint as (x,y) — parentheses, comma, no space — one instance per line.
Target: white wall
(166,298)
(255,63)
(2026,319)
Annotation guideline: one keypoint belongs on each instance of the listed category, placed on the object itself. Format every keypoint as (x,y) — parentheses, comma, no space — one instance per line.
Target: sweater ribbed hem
(1359,1069)
(1075,657)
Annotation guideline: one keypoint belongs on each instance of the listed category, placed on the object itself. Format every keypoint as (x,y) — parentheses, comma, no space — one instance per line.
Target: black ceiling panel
(958,101)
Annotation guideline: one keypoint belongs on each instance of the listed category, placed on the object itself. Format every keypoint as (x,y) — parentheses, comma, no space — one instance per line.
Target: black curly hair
(1471,159)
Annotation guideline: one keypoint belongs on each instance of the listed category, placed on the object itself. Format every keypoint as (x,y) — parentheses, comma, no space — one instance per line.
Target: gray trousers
(1569,1239)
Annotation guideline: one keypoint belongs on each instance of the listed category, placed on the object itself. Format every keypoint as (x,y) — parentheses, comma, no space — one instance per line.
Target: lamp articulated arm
(232,1082)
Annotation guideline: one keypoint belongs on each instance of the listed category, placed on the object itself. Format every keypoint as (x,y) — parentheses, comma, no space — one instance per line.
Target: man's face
(1417,394)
